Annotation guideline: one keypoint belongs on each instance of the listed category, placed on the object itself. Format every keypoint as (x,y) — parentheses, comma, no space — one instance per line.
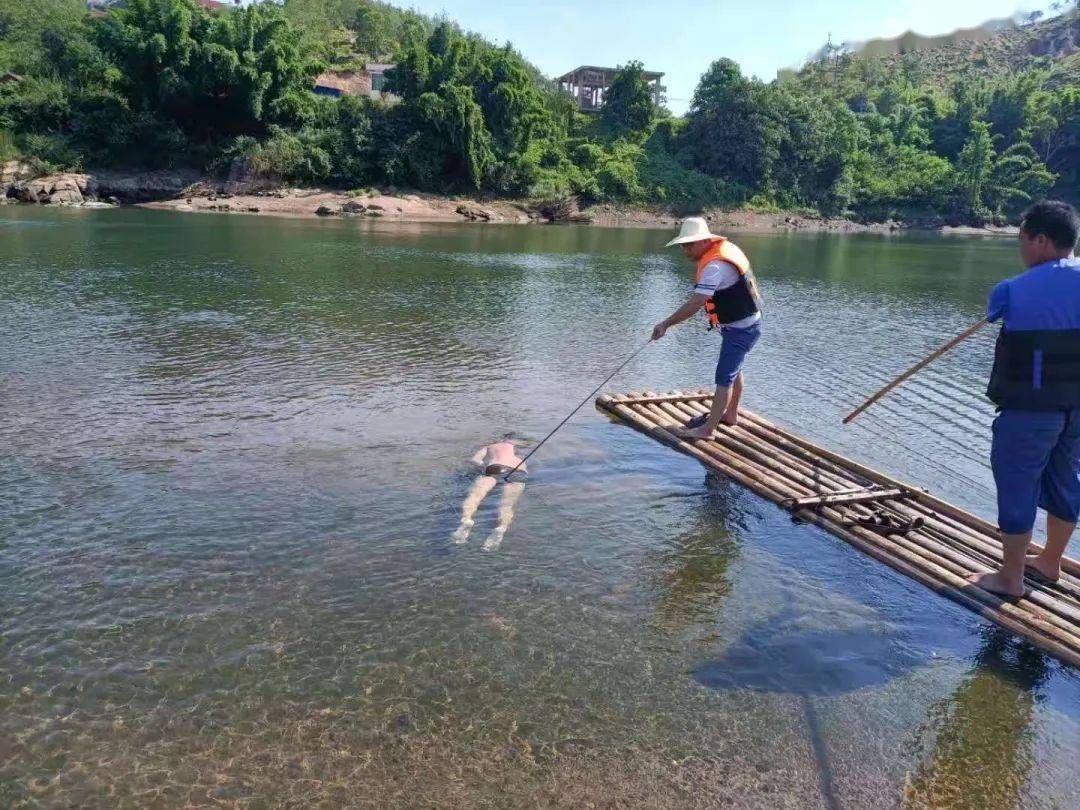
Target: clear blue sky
(681,39)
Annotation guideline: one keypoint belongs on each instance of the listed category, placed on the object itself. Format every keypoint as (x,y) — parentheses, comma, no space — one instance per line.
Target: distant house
(338,83)
(377,71)
(368,82)
(589,85)
(99,8)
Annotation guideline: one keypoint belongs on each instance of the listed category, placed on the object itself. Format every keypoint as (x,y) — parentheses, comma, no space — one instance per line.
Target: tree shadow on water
(782,657)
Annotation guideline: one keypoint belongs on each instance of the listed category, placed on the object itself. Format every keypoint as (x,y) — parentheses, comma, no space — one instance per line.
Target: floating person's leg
(480,488)
(510,495)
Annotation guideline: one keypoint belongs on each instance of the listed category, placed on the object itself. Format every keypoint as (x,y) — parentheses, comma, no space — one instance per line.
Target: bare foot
(693,433)
(462,533)
(730,419)
(494,540)
(996,583)
(1034,563)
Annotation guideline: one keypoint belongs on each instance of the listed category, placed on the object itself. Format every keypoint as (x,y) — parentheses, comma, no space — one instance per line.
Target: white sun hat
(694,229)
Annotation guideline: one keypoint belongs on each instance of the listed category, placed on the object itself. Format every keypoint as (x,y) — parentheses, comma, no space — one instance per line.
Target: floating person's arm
(478,457)
(687,310)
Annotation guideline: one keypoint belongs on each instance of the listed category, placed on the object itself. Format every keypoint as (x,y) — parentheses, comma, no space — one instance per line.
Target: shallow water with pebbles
(233,451)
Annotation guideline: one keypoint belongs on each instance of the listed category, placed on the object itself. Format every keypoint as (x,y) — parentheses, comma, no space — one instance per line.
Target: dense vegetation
(160,83)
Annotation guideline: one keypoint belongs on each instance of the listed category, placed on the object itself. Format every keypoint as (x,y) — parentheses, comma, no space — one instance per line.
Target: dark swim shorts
(501,470)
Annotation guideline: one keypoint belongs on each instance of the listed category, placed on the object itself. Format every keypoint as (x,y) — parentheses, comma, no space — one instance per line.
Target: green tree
(479,109)
(1016,178)
(973,167)
(728,135)
(212,75)
(629,109)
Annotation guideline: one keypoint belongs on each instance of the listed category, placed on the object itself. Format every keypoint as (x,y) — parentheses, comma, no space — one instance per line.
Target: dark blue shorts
(1036,462)
(736,344)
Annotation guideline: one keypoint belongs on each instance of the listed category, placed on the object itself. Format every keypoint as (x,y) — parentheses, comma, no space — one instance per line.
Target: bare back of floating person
(495,461)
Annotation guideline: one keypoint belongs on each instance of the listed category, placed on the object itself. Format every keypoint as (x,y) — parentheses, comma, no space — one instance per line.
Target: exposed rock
(32,191)
(243,179)
(352,207)
(13,173)
(326,211)
(68,190)
(474,212)
(371,212)
(563,209)
(55,189)
(253,209)
(136,187)
(375,207)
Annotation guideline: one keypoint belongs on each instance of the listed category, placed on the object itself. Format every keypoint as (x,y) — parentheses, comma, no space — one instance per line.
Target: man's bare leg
(510,495)
(719,406)
(480,488)
(731,413)
(1009,579)
(1048,561)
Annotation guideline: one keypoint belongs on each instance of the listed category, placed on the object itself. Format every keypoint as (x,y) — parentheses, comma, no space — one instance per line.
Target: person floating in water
(496,461)
(725,288)
(1035,383)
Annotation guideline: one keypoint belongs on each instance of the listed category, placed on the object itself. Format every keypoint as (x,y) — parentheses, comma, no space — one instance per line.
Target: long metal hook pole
(578,408)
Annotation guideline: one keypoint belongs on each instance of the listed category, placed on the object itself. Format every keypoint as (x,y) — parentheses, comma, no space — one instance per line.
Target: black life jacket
(732,303)
(1036,370)
(737,301)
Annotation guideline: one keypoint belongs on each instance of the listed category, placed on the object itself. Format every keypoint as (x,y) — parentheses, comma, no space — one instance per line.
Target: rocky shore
(21,182)
(188,191)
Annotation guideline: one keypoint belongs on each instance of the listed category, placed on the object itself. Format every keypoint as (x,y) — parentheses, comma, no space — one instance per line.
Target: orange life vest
(737,301)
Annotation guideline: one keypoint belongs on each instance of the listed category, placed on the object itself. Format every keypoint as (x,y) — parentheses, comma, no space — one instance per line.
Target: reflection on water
(692,567)
(982,738)
(233,453)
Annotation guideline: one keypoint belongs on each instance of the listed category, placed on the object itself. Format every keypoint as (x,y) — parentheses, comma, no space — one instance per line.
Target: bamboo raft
(908,529)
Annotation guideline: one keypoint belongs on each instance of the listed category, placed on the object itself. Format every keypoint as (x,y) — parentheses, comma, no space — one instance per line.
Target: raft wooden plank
(832,499)
(825,488)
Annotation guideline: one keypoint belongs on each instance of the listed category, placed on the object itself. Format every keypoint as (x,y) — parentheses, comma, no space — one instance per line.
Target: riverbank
(416,207)
(189,192)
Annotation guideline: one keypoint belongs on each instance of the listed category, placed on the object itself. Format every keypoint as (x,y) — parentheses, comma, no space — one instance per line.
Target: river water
(233,454)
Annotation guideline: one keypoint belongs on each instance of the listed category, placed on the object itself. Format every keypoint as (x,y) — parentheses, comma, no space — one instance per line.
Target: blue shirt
(1046,297)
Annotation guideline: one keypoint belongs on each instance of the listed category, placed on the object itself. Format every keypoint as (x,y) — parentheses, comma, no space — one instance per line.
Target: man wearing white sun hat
(725,288)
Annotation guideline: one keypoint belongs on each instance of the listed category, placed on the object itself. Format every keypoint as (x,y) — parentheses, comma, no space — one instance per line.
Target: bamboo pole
(915,369)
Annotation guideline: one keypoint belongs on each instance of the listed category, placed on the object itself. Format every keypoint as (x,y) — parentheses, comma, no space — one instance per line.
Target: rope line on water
(607,379)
